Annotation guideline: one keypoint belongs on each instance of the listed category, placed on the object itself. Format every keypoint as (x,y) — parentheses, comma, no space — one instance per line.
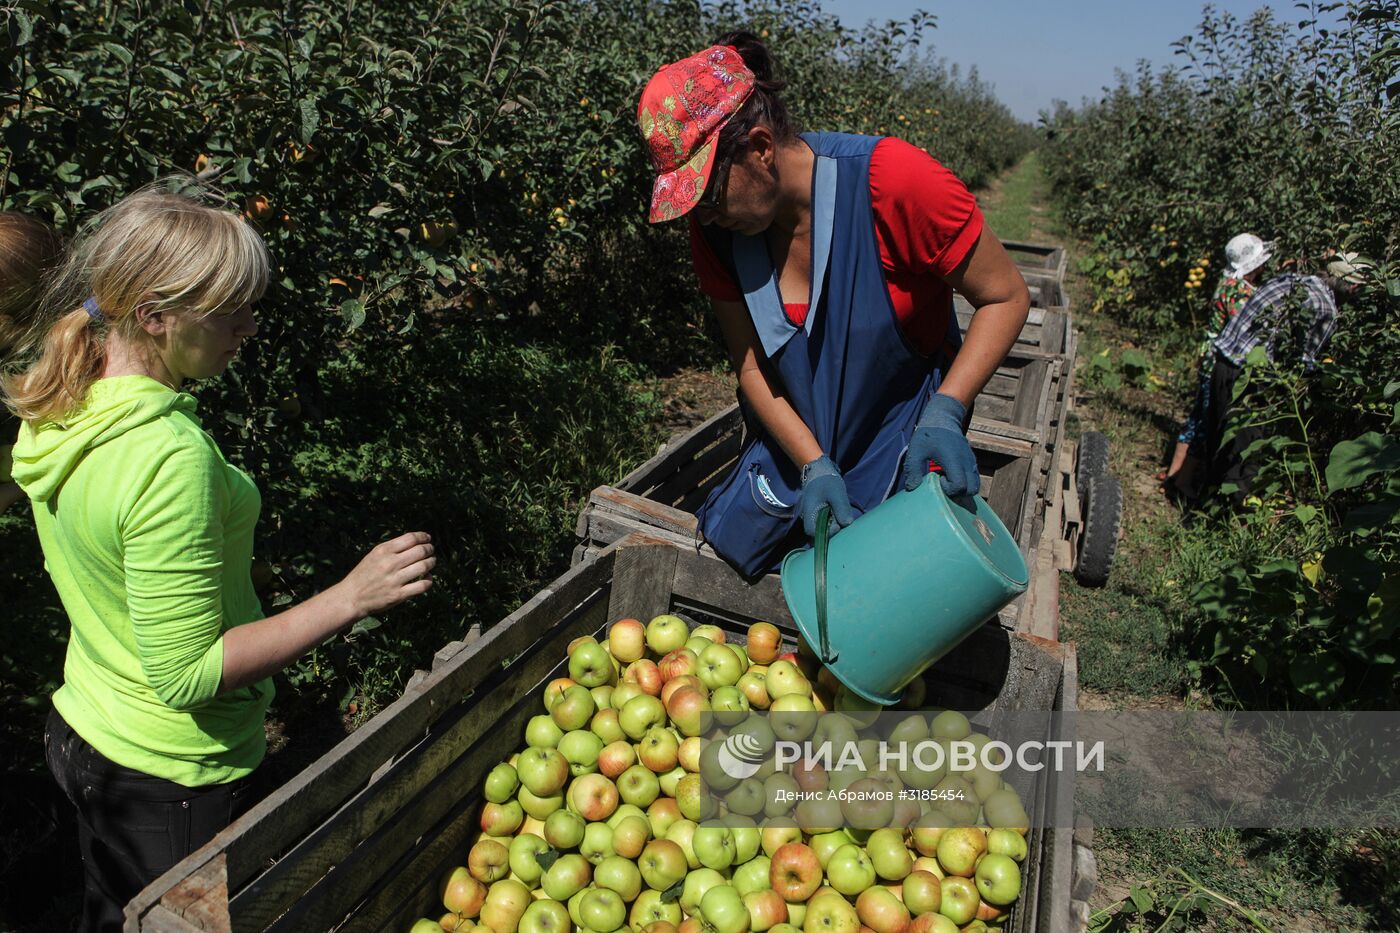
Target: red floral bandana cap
(683,109)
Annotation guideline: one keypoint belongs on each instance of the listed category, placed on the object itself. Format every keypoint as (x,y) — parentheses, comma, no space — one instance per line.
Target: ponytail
(71,359)
(765,105)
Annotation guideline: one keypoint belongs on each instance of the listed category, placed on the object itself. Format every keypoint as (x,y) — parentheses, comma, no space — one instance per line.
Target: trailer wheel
(1092,459)
(1103,517)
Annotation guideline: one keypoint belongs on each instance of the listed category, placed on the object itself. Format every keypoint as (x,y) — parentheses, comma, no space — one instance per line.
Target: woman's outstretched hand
(391,573)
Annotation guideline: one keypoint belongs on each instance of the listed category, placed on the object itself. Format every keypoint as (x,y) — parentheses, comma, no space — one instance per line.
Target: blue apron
(848,370)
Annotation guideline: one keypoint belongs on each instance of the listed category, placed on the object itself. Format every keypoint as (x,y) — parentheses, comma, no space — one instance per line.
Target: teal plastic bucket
(900,586)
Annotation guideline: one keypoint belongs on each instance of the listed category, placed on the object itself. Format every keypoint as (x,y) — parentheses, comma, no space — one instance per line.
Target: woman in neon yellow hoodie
(147,533)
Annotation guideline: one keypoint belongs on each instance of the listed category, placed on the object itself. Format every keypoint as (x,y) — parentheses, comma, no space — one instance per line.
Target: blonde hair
(154,249)
(29,249)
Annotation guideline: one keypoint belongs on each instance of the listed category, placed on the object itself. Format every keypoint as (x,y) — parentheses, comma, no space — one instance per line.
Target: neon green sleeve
(173,546)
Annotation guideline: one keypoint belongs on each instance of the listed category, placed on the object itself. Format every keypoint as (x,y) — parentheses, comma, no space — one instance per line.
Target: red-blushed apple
(754,686)
(827,681)
(809,775)
(690,925)
(630,836)
(830,913)
(712,632)
(794,871)
(488,861)
(998,879)
(990,914)
(592,797)
(615,758)
(450,923)
(690,711)
(627,640)
(923,892)
(870,805)
(501,819)
(881,911)
(645,674)
(505,903)
(763,641)
(766,910)
(959,899)
(666,633)
(679,663)
(959,850)
(463,894)
(661,814)
(554,690)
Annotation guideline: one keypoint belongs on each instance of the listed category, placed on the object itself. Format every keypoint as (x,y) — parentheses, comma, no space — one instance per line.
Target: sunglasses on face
(715,192)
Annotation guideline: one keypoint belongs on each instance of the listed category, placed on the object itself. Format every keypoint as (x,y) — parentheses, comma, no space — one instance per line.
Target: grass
(1130,637)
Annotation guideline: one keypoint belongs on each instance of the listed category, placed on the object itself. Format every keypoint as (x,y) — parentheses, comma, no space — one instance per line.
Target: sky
(1038,51)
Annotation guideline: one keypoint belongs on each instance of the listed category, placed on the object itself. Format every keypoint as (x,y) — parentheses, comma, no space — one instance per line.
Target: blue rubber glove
(939,437)
(822,485)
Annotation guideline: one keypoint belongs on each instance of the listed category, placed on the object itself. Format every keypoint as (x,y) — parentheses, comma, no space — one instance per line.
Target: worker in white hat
(1245,256)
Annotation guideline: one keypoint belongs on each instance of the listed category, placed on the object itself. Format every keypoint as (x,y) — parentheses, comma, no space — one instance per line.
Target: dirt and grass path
(1130,635)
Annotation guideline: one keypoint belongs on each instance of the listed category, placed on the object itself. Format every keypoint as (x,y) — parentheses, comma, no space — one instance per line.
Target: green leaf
(1353,462)
(1317,676)
(1305,513)
(673,893)
(310,119)
(354,313)
(1141,898)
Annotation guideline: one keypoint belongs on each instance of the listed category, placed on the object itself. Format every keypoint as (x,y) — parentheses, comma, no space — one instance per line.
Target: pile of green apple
(605,820)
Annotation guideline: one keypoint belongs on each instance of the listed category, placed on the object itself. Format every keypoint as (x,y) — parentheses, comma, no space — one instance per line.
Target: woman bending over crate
(831,261)
(147,532)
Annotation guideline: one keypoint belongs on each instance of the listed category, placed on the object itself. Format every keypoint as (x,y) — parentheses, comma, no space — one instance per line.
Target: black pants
(132,827)
(1225,463)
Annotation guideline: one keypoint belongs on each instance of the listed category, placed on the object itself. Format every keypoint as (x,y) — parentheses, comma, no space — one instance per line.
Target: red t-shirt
(925,222)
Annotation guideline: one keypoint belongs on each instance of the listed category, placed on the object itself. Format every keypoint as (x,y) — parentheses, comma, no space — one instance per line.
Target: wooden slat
(992,408)
(719,458)
(642,579)
(1003,386)
(640,508)
(159,919)
(1029,409)
(1007,493)
(681,451)
(1003,429)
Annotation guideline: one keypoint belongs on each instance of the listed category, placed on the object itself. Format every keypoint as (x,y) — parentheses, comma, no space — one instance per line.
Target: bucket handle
(828,657)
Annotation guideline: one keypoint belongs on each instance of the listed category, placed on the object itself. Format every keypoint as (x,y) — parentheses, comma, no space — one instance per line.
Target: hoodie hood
(45,454)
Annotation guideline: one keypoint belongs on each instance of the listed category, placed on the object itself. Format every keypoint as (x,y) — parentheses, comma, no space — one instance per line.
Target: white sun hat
(1247,252)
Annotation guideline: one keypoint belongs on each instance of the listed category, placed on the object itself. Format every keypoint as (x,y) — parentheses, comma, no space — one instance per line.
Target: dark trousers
(1225,463)
(132,827)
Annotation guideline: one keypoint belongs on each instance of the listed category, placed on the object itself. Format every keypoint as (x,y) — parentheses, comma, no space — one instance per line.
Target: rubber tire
(1098,541)
(1092,458)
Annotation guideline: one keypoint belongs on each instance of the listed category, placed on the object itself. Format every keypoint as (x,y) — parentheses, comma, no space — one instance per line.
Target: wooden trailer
(360,840)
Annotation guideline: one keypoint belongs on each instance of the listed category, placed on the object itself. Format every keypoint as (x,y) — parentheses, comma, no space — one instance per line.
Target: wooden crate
(359,840)
(1038,257)
(1046,329)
